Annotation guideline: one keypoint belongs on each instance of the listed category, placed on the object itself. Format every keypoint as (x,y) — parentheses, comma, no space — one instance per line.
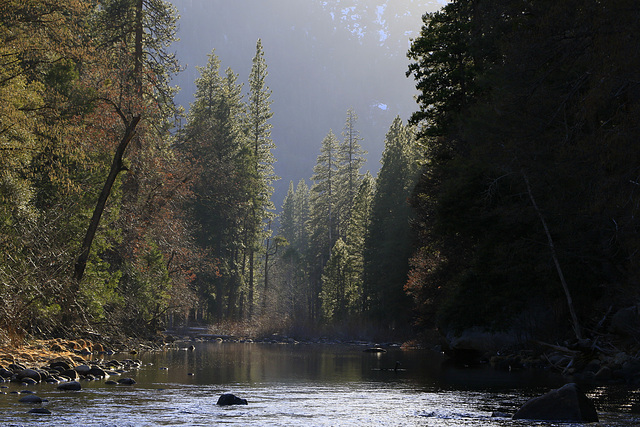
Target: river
(304,385)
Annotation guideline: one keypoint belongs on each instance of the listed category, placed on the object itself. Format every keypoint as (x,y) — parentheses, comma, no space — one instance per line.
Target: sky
(323,58)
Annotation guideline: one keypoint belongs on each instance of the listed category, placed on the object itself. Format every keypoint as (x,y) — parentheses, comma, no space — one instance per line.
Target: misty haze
(323,58)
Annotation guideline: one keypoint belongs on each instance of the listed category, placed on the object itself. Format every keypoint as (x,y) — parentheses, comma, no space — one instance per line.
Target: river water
(304,385)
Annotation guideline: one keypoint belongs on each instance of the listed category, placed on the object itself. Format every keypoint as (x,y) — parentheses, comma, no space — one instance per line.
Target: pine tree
(260,145)
(343,276)
(444,70)
(323,223)
(350,158)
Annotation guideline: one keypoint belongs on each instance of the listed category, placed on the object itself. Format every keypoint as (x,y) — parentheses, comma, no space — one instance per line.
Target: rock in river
(566,404)
(30,398)
(97,372)
(82,369)
(231,399)
(30,373)
(70,386)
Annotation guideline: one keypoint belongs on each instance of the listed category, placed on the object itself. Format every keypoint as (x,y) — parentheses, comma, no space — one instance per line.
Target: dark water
(304,385)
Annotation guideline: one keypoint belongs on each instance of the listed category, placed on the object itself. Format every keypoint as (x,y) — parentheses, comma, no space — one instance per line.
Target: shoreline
(36,352)
(580,364)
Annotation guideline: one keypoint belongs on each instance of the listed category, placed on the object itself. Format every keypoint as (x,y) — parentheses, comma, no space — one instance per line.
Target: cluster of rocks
(66,375)
(60,371)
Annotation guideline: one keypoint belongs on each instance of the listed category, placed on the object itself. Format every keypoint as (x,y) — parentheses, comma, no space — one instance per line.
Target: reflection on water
(304,385)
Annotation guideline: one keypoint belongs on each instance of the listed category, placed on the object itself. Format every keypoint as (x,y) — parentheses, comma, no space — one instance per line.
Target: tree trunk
(116,168)
(565,287)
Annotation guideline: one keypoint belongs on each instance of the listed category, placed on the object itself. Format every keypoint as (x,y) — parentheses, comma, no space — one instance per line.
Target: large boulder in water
(566,404)
(231,399)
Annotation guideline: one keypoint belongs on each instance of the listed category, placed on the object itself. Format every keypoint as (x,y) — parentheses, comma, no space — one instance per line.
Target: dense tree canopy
(539,158)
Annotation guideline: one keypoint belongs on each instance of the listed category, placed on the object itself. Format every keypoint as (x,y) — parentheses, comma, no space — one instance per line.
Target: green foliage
(61,76)
(99,290)
(149,291)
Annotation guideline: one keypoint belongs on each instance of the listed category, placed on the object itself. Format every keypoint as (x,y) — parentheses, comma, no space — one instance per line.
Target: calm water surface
(304,385)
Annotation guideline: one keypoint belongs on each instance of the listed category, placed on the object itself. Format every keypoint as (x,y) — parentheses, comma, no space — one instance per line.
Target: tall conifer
(350,159)
(260,145)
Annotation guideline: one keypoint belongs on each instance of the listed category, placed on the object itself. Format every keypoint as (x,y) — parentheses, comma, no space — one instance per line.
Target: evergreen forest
(508,200)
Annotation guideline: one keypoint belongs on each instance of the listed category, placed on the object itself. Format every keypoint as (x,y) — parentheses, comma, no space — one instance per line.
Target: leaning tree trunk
(116,167)
(554,255)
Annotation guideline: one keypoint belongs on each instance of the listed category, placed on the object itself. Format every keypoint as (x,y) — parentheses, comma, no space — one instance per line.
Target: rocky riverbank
(610,355)
(38,352)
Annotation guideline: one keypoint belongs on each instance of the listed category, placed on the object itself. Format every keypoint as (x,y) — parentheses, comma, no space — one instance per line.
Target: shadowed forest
(507,200)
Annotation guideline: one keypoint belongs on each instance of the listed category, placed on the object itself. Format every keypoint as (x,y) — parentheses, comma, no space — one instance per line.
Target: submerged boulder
(231,399)
(566,404)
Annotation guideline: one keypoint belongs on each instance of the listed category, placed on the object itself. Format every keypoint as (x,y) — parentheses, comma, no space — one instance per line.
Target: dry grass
(39,352)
